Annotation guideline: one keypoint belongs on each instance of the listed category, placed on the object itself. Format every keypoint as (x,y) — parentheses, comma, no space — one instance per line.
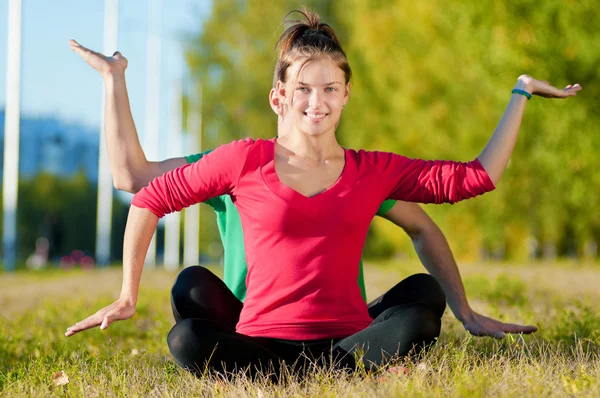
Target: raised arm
(497,152)
(130,169)
(435,254)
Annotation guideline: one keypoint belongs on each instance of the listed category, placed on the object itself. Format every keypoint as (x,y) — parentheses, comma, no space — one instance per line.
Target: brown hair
(308,39)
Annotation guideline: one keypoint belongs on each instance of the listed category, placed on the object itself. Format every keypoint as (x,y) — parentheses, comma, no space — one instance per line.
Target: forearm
(496,154)
(435,254)
(127,160)
(141,224)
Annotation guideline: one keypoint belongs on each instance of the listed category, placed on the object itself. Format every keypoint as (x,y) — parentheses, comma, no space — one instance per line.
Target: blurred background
(431,80)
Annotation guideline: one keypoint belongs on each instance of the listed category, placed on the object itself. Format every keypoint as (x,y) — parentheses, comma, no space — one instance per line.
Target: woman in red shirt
(306,203)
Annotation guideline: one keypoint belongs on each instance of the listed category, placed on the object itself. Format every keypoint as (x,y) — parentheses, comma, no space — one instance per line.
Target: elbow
(424,232)
(416,235)
(125,184)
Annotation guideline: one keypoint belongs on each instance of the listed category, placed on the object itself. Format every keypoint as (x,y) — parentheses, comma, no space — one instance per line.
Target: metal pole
(105,184)
(191,246)
(172,221)
(151,136)
(10,182)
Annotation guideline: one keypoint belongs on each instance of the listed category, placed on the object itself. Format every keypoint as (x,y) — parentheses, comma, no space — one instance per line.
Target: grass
(131,358)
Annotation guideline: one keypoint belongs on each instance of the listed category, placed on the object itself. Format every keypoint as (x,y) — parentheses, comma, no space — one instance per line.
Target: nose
(314,101)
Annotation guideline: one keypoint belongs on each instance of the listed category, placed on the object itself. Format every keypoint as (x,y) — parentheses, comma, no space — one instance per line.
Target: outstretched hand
(103,64)
(117,311)
(545,89)
(479,325)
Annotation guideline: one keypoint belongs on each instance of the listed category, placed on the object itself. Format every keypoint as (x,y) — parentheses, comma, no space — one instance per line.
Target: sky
(56,82)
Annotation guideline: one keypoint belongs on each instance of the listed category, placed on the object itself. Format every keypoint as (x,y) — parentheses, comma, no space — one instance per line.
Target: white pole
(191,246)
(105,185)
(10,182)
(172,221)
(151,136)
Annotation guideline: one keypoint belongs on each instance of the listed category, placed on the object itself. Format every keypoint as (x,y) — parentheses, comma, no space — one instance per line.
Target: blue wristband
(521,92)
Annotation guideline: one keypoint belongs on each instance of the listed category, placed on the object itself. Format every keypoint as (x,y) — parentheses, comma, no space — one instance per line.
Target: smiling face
(314,95)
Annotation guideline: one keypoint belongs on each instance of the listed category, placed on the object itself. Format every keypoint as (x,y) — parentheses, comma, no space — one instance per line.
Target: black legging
(407,318)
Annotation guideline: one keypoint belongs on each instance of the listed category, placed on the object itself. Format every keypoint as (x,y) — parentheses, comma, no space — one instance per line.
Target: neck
(316,148)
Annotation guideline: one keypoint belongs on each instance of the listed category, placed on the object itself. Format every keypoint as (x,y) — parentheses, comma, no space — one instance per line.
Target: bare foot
(399,370)
(392,370)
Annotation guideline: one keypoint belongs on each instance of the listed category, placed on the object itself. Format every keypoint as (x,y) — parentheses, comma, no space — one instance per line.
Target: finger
(78,327)
(512,328)
(105,323)
(83,51)
(495,333)
(88,323)
(75,46)
(576,87)
(571,90)
(558,92)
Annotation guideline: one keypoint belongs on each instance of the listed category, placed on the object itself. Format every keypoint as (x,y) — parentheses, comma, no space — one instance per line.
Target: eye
(302,89)
(330,89)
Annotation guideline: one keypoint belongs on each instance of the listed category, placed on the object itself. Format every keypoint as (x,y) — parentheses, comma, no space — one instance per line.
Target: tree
(431,81)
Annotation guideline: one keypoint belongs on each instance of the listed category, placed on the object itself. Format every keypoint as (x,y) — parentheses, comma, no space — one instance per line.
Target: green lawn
(131,358)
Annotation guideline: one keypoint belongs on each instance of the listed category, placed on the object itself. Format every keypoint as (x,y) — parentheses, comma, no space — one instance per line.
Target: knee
(428,323)
(191,273)
(180,338)
(417,323)
(403,330)
(191,343)
(188,278)
(431,291)
(426,326)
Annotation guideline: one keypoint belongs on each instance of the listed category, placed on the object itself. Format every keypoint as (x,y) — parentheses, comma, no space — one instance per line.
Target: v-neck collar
(316,202)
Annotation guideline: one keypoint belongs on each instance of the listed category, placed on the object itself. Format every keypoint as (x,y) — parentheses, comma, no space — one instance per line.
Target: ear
(347,93)
(275,102)
(280,91)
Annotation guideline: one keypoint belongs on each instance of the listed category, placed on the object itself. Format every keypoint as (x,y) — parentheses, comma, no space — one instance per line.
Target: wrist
(128,298)
(524,82)
(112,76)
(464,314)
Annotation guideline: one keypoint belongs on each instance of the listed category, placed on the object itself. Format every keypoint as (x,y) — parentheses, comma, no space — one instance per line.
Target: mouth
(315,116)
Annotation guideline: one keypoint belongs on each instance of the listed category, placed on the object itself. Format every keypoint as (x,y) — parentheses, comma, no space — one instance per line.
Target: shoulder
(242,146)
(250,144)
(236,150)
(256,150)
(241,156)
(373,159)
(241,143)
(375,156)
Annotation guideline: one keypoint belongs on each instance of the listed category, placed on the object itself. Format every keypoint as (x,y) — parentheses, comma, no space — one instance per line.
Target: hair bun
(308,38)
(313,32)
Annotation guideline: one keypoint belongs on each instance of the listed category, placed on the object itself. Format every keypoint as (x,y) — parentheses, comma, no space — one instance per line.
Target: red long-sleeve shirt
(302,252)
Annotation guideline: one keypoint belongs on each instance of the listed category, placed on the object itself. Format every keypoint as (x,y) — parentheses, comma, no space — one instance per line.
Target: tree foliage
(63,210)
(431,80)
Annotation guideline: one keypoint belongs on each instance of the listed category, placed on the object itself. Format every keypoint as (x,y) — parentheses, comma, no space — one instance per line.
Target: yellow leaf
(60,378)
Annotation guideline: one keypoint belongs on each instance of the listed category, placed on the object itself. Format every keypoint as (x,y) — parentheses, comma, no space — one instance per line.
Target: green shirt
(232,237)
